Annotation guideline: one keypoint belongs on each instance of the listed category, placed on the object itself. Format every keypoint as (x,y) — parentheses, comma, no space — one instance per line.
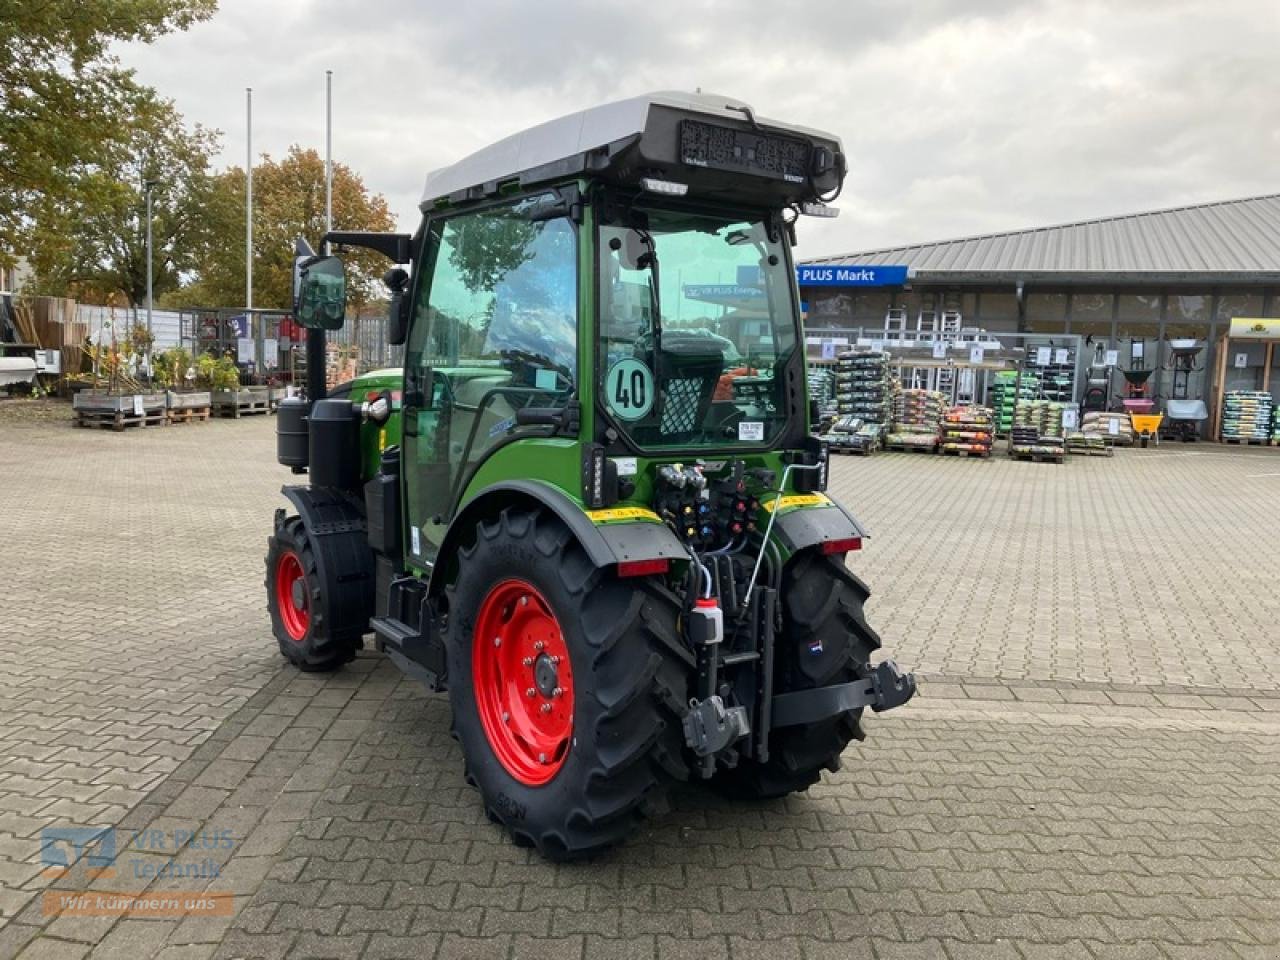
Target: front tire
(569,772)
(825,640)
(300,620)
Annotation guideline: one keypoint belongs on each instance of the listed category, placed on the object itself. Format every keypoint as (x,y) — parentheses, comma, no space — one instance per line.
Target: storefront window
(869,308)
(1187,318)
(1239,305)
(998,311)
(1245,365)
(829,309)
(1046,312)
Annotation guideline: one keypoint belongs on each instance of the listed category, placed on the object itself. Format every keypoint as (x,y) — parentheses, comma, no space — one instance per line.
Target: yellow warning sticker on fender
(615,514)
(796,500)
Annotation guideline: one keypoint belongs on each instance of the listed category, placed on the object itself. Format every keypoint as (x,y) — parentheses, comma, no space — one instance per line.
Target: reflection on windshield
(707,371)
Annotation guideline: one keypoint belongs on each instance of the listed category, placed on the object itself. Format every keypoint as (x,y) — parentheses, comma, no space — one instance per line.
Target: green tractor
(590,506)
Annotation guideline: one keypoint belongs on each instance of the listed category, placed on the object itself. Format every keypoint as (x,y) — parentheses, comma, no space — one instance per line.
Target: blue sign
(841,275)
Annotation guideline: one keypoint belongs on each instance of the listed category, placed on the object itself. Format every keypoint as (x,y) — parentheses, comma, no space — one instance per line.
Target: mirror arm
(394,246)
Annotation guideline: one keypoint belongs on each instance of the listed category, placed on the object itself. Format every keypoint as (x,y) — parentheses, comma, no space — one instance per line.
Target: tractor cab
(595,477)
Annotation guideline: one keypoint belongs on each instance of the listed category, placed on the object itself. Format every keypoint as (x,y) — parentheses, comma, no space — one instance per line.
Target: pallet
(1247,441)
(1091,451)
(190,414)
(909,448)
(1038,457)
(854,451)
(984,455)
(118,420)
(244,408)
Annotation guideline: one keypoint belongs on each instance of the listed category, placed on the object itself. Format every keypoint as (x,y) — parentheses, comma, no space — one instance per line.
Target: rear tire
(300,619)
(825,640)
(619,745)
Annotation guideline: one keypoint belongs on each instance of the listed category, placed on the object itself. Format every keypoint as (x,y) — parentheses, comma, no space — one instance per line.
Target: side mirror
(322,293)
(397,281)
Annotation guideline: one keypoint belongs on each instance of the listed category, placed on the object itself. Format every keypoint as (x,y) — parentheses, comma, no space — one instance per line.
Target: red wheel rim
(523,682)
(291,597)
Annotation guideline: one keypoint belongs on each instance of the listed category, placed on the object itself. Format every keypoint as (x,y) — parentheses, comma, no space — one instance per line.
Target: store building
(1131,283)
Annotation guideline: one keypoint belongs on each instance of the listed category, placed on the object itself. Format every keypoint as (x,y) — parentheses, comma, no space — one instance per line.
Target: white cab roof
(576,133)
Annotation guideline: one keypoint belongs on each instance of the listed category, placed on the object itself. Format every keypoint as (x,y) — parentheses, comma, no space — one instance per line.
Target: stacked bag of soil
(1037,429)
(916,418)
(853,435)
(968,430)
(1114,428)
(1003,391)
(1275,425)
(822,388)
(1247,415)
(863,387)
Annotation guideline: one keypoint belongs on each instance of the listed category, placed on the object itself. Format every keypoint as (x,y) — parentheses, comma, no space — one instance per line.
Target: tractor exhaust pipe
(315,366)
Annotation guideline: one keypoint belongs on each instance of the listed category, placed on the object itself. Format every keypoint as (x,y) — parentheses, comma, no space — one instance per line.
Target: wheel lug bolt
(497,641)
(555,659)
(527,661)
(524,601)
(557,692)
(506,717)
(542,758)
(546,708)
(530,692)
(539,645)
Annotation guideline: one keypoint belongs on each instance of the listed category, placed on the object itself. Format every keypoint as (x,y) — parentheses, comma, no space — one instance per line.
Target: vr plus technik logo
(60,847)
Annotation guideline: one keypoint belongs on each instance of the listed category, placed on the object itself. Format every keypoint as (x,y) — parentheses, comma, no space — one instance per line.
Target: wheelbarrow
(1146,427)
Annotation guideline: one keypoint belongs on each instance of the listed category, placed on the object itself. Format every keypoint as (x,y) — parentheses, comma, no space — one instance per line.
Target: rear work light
(841,546)
(669,187)
(643,568)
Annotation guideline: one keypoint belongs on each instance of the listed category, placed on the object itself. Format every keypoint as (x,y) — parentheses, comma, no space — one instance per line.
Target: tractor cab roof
(714,147)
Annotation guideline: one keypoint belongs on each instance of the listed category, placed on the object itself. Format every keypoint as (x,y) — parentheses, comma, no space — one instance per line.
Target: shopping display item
(916,418)
(863,387)
(1275,426)
(967,431)
(1037,432)
(822,391)
(1006,389)
(1247,417)
(1085,444)
(853,435)
(1114,428)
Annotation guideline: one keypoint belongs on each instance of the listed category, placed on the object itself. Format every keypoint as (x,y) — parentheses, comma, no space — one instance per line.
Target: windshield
(696,359)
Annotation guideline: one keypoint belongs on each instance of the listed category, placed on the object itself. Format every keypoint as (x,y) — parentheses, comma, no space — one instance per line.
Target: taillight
(842,546)
(643,568)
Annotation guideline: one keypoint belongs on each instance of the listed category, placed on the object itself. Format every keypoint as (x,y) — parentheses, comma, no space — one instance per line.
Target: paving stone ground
(1092,768)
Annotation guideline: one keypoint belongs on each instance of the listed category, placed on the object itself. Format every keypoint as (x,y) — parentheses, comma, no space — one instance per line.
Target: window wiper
(649,261)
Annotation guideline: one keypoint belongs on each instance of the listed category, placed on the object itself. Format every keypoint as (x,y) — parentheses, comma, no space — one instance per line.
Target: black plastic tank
(382,505)
(291,433)
(334,429)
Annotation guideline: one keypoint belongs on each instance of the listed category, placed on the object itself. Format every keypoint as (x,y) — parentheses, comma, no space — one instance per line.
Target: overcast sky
(958,117)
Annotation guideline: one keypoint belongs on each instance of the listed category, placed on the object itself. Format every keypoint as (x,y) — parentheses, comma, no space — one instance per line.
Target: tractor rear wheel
(825,640)
(565,683)
(299,609)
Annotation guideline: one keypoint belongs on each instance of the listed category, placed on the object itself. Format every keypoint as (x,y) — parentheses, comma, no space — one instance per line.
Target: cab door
(494,330)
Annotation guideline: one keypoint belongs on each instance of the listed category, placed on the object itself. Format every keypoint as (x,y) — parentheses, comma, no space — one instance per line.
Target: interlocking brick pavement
(1062,787)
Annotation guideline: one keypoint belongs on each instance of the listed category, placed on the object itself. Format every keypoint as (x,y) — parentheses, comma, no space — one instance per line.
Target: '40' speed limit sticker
(628,390)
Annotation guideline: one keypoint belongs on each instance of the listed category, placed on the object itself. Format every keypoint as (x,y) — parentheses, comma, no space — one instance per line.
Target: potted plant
(172,370)
(230,399)
(119,397)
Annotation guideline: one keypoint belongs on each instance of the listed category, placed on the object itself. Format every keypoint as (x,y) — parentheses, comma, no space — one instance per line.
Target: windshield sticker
(750,430)
(628,389)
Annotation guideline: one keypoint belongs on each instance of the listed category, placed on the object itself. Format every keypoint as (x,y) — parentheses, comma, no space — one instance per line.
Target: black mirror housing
(397,281)
(321,303)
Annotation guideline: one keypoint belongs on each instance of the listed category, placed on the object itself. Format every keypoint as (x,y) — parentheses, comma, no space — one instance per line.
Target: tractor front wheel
(564,682)
(299,611)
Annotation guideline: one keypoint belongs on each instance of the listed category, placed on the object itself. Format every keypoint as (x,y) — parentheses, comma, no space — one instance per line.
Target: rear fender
(604,543)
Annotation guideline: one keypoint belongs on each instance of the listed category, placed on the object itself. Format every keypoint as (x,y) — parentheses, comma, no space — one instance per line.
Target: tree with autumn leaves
(82,139)
(288,202)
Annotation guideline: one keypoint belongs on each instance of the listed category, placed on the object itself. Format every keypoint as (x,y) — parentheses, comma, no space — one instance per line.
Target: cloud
(958,117)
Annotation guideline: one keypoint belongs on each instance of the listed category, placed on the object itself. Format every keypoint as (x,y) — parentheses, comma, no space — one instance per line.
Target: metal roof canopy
(1226,242)
(591,139)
